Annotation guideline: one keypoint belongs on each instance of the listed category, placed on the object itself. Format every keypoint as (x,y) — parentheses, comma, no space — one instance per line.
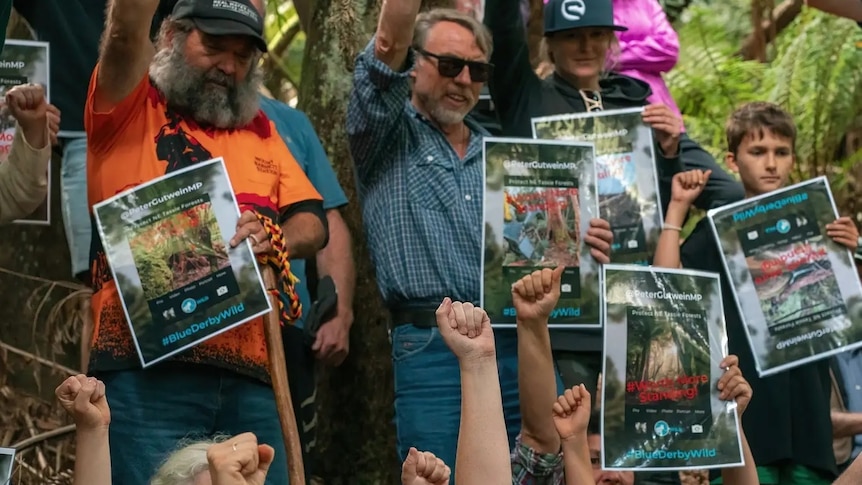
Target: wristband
(672,227)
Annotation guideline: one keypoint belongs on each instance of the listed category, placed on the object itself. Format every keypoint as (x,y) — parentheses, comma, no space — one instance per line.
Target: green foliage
(814,72)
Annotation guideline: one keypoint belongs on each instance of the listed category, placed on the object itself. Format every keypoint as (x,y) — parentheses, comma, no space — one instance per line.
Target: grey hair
(430,18)
(182,466)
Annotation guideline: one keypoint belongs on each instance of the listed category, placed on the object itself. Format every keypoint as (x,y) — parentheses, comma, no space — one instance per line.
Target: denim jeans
(76,209)
(428,390)
(154,411)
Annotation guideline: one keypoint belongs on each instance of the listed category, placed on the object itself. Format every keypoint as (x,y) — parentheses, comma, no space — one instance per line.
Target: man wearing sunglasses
(419,174)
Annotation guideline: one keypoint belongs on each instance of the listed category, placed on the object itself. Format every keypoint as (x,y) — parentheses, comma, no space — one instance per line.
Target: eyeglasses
(449,66)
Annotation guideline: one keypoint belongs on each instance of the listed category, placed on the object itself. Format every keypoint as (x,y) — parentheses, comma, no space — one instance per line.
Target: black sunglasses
(449,66)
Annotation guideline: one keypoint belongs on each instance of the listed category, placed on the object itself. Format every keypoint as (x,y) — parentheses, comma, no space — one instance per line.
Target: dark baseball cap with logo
(576,14)
(223,17)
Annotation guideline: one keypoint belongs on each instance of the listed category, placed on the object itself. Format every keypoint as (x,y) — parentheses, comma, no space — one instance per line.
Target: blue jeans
(428,390)
(153,411)
(76,209)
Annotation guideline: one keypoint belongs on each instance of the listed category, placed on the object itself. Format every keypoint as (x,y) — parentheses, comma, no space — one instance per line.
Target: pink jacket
(649,48)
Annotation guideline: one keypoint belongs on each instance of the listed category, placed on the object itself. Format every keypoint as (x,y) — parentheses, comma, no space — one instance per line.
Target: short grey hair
(183,465)
(430,18)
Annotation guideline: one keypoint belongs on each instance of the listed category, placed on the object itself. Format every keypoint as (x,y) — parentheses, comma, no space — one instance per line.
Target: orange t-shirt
(141,139)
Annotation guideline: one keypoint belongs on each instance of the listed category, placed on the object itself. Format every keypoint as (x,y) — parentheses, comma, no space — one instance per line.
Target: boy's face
(763,162)
(603,477)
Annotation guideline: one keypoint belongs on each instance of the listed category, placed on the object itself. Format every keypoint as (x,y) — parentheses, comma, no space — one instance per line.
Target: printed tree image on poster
(539,199)
(664,340)
(179,281)
(796,289)
(627,180)
(23,62)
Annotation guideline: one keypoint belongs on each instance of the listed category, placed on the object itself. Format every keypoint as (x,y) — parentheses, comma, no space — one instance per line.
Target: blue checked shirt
(421,203)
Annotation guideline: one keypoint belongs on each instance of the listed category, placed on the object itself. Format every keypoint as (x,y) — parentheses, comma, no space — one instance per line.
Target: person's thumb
(408,468)
(557,276)
(266,455)
(442,314)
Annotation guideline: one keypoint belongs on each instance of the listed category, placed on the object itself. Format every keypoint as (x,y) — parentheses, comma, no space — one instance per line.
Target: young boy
(788,425)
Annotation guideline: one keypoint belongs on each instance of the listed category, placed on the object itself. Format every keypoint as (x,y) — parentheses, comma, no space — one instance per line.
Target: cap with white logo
(223,17)
(575,14)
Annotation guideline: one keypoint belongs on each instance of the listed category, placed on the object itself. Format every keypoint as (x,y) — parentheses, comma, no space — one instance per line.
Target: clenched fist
(423,468)
(27,103)
(84,399)
(239,461)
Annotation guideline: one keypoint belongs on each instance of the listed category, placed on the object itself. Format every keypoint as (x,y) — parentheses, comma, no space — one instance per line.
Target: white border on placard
(730,207)
(217,160)
(722,342)
(10,452)
(538,141)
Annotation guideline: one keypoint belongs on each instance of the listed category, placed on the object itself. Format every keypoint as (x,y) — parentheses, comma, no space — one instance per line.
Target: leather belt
(418,317)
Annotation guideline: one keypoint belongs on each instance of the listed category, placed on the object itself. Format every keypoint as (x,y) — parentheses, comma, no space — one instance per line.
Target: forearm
(743,475)
(852,475)
(126,49)
(395,31)
(304,234)
(667,254)
(846,424)
(537,387)
(24,176)
(483,445)
(336,261)
(92,457)
(576,461)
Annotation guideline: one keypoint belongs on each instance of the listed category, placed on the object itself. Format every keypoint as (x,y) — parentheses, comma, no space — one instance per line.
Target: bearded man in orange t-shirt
(152,110)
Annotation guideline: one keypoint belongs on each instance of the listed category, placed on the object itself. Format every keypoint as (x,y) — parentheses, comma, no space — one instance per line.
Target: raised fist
(687,186)
(536,295)
(572,413)
(466,329)
(423,468)
(27,104)
(239,461)
(84,399)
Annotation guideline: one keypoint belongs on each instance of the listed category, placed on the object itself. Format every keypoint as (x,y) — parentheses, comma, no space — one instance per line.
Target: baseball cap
(575,14)
(223,17)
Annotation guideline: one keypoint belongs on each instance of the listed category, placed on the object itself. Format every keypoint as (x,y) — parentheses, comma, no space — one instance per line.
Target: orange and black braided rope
(279,260)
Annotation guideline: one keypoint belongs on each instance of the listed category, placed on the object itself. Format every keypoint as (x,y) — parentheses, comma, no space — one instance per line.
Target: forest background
(732,51)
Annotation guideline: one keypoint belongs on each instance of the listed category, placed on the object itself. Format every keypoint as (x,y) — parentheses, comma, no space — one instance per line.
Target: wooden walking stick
(280,386)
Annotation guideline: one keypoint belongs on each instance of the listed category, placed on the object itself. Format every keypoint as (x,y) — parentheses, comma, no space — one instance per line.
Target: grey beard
(185,89)
(441,115)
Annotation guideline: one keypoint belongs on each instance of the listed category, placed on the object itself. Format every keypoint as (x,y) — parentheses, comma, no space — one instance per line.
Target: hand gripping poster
(23,62)
(664,339)
(167,243)
(539,199)
(627,179)
(796,289)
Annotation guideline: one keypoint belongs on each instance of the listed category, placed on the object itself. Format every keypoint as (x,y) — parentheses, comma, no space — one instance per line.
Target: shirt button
(429,158)
(858,387)
(468,197)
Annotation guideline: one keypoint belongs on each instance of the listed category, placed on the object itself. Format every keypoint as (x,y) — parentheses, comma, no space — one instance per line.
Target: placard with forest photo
(539,199)
(796,289)
(664,339)
(24,62)
(627,179)
(167,243)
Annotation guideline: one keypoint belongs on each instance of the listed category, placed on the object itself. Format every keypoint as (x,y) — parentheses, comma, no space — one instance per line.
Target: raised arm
(84,399)
(395,32)
(125,52)
(733,386)
(685,188)
(535,296)
(513,78)
(483,446)
(658,51)
(24,176)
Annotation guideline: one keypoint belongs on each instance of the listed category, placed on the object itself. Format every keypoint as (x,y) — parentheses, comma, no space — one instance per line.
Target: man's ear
(730,160)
